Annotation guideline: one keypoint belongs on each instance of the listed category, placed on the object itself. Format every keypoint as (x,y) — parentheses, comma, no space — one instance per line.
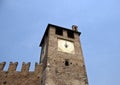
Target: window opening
(70,34)
(4,83)
(59,31)
(66,63)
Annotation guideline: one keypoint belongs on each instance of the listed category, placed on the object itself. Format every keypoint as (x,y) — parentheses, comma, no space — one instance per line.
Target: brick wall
(23,77)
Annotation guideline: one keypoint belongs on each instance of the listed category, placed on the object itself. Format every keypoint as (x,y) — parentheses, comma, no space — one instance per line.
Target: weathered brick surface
(23,77)
(56,72)
(52,69)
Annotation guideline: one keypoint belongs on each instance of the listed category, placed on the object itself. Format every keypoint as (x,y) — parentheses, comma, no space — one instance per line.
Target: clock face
(66,46)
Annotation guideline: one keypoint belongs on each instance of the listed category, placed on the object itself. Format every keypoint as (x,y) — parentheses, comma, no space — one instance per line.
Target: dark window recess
(4,83)
(66,63)
(42,51)
(70,34)
(59,31)
(41,81)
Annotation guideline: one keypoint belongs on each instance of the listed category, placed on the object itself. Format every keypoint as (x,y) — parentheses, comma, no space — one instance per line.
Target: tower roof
(48,26)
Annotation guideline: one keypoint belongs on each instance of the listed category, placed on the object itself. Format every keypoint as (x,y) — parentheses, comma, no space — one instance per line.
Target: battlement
(22,77)
(25,67)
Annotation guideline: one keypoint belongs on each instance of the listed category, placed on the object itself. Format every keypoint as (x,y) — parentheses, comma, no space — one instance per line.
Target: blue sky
(23,22)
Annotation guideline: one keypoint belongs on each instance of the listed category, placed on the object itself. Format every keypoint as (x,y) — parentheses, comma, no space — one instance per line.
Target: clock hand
(66,45)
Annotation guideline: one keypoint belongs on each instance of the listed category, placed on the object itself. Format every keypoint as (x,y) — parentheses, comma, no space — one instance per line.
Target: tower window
(4,83)
(66,63)
(59,31)
(70,34)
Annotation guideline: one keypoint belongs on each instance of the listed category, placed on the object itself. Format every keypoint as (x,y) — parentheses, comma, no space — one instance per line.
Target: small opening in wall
(70,34)
(59,31)
(66,63)
(42,51)
(6,72)
(41,81)
(4,83)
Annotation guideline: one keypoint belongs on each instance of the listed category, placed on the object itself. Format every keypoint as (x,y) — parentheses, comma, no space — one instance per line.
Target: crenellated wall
(59,67)
(23,77)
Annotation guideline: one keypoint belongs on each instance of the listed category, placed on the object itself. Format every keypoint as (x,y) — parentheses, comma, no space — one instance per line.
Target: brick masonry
(23,77)
(52,69)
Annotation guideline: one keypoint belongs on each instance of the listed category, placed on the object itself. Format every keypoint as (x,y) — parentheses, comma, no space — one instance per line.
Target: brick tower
(61,57)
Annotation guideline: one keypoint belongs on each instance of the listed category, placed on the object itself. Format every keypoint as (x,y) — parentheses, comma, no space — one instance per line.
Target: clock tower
(61,57)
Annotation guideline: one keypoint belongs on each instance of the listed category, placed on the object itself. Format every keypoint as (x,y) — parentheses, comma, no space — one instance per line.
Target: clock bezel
(64,49)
